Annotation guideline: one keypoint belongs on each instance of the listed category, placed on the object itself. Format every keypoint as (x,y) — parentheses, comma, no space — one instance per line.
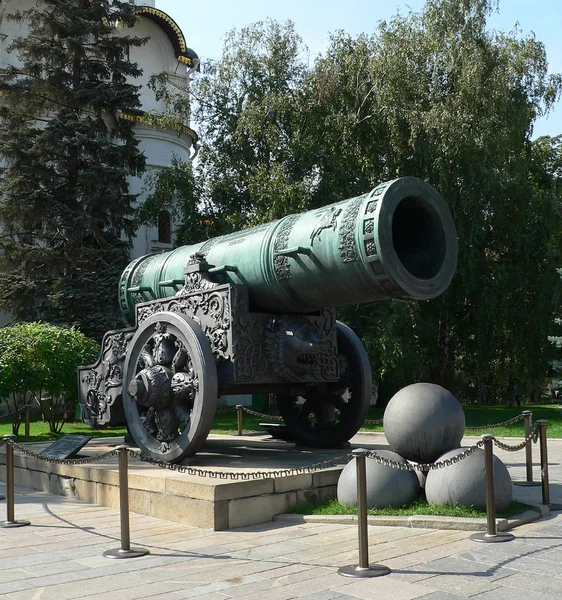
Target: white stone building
(166,51)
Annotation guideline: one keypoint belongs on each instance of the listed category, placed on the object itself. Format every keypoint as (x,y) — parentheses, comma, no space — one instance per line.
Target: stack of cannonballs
(424,423)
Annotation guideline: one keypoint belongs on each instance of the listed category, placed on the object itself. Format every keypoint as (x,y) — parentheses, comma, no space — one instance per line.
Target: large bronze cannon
(253,311)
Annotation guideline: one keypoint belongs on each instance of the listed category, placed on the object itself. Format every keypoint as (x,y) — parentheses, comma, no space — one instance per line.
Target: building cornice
(142,118)
(172,30)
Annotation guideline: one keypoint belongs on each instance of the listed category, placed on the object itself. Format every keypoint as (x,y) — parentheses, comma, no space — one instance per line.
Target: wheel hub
(152,387)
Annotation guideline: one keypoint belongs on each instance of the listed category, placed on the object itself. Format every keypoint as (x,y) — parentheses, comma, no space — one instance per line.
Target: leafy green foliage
(252,120)
(38,363)
(433,94)
(174,188)
(66,211)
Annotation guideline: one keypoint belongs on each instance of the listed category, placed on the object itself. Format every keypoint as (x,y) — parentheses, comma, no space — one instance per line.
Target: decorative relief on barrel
(328,219)
(368,226)
(137,279)
(348,248)
(281,267)
(124,283)
(208,245)
(370,248)
(380,189)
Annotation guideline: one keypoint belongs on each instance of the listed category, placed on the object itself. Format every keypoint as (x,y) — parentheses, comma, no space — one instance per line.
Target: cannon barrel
(396,242)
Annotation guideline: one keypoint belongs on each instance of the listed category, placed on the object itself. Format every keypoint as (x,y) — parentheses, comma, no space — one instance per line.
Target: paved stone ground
(60,557)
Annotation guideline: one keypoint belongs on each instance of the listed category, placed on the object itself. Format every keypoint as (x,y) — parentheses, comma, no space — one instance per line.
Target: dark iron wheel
(169,387)
(331,414)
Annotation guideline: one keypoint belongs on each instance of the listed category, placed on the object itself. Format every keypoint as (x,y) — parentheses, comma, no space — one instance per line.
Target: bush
(38,364)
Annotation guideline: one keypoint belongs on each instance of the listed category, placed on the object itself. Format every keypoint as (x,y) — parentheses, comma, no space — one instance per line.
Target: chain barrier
(368,421)
(242,476)
(262,415)
(59,461)
(16,412)
(533,436)
(424,467)
(494,425)
(250,412)
(333,462)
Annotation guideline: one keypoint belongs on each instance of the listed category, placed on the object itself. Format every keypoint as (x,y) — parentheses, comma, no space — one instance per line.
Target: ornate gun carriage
(253,312)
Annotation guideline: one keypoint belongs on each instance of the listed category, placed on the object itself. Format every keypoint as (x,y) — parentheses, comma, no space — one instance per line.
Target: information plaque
(66,447)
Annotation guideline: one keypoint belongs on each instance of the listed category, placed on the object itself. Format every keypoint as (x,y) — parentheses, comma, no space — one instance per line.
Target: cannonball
(423,421)
(421,475)
(386,486)
(464,483)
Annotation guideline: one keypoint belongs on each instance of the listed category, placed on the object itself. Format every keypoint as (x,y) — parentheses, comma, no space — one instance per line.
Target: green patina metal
(398,241)
(254,312)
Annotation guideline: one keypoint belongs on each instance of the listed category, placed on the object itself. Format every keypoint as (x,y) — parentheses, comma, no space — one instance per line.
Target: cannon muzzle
(396,242)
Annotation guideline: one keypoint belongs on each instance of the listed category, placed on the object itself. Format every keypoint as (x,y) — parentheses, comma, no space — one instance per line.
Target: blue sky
(205,23)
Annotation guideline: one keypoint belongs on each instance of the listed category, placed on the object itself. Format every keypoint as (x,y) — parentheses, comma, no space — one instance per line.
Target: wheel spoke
(340,404)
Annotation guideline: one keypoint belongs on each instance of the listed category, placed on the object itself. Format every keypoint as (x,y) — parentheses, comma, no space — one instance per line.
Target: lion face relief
(295,348)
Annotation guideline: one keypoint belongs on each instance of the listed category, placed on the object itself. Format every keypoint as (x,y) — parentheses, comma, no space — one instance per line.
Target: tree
(38,363)
(176,190)
(433,94)
(250,113)
(65,210)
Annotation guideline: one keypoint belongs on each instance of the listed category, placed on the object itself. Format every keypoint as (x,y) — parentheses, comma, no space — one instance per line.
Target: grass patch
(478,416)
(419,507)
(226,423)
(39,431)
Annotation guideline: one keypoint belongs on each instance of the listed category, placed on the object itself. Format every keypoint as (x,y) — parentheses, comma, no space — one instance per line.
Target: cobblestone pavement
(60,556)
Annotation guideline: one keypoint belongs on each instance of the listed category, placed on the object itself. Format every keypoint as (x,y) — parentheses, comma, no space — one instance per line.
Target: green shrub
(38,364)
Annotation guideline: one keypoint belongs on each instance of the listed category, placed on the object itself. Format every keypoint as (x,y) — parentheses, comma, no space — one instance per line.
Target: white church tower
(165,52)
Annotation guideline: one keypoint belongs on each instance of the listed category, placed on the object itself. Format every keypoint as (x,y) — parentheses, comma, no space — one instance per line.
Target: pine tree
(67,150)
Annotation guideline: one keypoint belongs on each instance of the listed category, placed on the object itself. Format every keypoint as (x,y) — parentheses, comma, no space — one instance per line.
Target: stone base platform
(202,501)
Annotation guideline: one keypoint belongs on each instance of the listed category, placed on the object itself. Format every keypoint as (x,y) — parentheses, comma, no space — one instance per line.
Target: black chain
(333,462)
(16,412)
(494,425)
(57,461)
(262,415)
(533,436)
(424,467)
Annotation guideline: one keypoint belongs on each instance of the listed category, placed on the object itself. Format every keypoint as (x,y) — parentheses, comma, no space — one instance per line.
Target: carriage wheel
(169,387)
(332,413)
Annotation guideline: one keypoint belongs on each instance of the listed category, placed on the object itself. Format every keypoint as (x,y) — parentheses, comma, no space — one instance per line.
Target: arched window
(164,227)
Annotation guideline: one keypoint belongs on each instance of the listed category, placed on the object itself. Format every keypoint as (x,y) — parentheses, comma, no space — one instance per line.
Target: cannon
(254,312)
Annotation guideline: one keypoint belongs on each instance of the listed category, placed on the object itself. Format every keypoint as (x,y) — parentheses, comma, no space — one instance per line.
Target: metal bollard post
(491,535)
(363,569)
(541,424)
(527,414)
(10,486)
(27,422)
(125,551)
(239,418)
